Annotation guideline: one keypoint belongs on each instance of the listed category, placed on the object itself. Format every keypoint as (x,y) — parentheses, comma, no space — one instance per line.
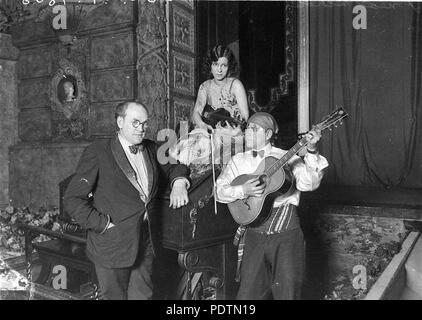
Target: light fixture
(76,11)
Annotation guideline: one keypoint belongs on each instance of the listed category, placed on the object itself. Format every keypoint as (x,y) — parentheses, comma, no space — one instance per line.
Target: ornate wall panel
(34,125)
(35,171)
(32,30)
(182,109)
(188,3)
(109,14)
(112,85)
(35,62)
(183,71)
(289,75)
(182,60)
(152,63)
(9,110)
(33,93)
(112,50)
(25,174)
(101,119)
(183,26)
(8,122)
(101,65)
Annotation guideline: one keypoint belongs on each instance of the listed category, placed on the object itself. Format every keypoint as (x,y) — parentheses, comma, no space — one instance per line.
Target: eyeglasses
(137,123)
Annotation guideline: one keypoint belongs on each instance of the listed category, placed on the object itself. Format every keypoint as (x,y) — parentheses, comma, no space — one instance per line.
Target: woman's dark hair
(217,52)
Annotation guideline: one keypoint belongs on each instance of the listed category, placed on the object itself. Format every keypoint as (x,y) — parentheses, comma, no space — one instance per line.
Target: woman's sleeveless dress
(196,150)
(227,100)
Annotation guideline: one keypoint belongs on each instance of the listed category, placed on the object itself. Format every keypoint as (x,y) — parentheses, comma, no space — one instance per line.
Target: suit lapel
(149,156)
(124,164)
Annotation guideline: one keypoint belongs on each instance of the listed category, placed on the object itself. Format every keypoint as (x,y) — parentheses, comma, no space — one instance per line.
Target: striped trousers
(272,257)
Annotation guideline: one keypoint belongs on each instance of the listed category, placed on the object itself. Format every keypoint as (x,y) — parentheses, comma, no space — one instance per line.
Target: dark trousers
(134,283)
(272,266)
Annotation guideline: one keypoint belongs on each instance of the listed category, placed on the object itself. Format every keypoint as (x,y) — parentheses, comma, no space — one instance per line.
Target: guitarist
(271,255)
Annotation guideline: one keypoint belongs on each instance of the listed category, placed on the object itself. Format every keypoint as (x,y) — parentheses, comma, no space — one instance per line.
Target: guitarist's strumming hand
(253,188)
(313,136)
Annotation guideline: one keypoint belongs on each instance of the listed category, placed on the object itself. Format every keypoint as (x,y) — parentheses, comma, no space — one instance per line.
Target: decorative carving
(193,213)
(290,61)
(182,110)
(62,99)
(188,260)
(7,50)
(183,29)
(274,100)
(69,102)
(152,23)
(70,128)
(193,218)
(187,3)
(183,74)
(11,12)
(152,63)
(205,260)
(290,45)
(153,87)
(77,54)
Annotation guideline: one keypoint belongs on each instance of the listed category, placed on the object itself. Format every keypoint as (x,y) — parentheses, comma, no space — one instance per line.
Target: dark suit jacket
(105,171)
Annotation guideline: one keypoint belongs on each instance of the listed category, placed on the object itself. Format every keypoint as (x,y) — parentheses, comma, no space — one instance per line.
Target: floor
(368,196)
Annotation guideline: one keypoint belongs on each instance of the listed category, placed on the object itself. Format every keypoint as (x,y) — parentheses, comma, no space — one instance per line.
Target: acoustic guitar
(254,211)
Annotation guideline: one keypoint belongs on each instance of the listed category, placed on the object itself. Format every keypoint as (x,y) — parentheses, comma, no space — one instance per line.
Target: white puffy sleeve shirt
(307,172)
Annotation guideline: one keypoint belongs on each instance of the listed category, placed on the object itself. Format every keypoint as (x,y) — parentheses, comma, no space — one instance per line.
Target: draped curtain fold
(375,74)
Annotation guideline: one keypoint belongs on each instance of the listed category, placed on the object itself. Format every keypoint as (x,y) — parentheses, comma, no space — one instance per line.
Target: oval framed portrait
(67,89)
(68,92)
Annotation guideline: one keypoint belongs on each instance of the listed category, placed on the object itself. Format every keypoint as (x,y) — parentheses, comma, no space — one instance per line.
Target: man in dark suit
(122,175)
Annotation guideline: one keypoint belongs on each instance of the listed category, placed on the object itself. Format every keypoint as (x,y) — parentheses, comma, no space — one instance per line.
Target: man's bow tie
(260,153)
(136,147)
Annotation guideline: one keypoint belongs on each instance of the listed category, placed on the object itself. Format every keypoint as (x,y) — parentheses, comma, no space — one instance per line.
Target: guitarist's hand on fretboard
(312,137)
(253,187)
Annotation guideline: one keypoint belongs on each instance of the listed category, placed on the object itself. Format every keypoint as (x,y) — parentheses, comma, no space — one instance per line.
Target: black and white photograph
(218,152)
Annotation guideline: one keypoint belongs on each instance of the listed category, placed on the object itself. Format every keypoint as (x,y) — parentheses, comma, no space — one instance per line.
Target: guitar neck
(331,120)
(284,159)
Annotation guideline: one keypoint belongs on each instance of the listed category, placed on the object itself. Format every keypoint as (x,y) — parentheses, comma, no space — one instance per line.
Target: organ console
(202,238)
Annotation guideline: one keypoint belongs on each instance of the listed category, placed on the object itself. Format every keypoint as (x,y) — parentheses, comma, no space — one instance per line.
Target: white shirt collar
(125,144)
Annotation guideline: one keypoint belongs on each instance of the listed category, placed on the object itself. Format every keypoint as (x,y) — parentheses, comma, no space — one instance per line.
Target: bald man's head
(132,120)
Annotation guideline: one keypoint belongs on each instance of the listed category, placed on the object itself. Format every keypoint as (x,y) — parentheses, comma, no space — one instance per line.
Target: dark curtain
(261,45)
(376,75)
(216,23)
(258,29)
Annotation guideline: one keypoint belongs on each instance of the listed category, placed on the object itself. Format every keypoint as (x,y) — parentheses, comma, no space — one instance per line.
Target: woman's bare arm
(200,103)
(242,101)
